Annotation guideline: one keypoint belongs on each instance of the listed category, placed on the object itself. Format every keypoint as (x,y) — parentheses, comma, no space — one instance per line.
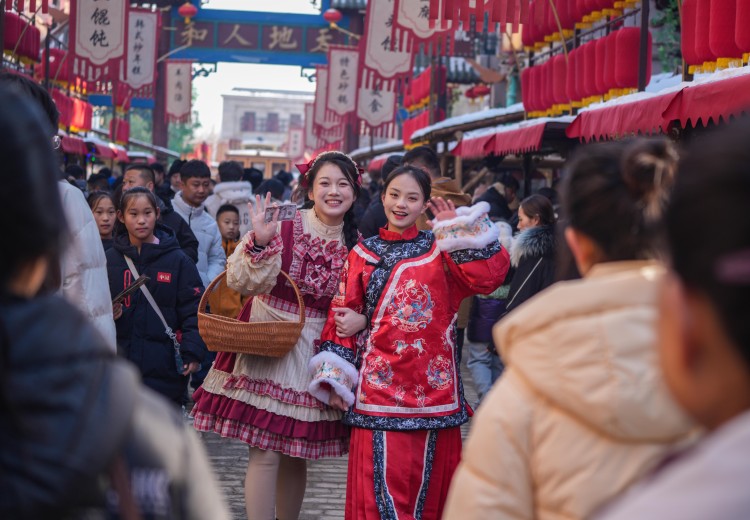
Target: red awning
(520,137)
(642,115)
(475,147)
(121,154)
(74,145)
(377,163)
(103,151)
(710,100)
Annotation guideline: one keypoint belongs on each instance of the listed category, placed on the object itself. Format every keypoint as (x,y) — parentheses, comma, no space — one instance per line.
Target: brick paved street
(326,479)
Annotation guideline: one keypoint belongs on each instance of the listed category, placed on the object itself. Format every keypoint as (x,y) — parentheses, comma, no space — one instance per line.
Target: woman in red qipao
(400,385)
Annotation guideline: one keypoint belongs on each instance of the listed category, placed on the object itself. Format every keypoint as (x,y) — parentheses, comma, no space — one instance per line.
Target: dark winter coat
(498,204)
(69,407)
(176,287)
(532,246)
(373,219)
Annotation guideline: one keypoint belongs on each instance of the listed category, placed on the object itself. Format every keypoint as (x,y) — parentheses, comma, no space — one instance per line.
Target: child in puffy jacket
(223,300)
(176,288)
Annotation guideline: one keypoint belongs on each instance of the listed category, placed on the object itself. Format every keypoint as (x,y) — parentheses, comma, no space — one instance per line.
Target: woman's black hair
(349,169)
(31,211)
(708,229)
(94,198)
(539,206)
(615,194)
(418,174)
(132,193)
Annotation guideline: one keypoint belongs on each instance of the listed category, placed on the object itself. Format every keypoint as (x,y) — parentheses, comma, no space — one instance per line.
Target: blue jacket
(176,287)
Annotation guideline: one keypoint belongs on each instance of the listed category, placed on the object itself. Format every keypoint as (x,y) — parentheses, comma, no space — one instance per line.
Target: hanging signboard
(143,31)
(324,118)
(386,50)
(375,106)
(343,70)
(98,36)
(179,90)
(414,16)
(309,132)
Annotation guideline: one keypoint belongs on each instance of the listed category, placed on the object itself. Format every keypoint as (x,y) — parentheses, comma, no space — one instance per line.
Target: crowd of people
(615,385)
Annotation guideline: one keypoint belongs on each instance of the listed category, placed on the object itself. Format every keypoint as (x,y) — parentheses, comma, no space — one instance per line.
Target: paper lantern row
(715,34)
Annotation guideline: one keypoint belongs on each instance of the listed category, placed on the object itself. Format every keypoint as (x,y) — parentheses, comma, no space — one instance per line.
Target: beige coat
(581,411)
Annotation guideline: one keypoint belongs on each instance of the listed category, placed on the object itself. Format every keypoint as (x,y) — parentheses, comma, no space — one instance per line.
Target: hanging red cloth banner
(97,39)
(343,66)
(376,101)
(324,118)
(179,90)
(386,51)
(414,17)
(138,70)
(20,6)
(119,130)
(310,138)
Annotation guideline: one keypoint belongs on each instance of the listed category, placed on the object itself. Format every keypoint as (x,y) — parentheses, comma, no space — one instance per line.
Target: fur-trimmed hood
(534,242)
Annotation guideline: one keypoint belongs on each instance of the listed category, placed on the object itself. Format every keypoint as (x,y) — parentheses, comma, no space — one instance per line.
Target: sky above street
(231,75)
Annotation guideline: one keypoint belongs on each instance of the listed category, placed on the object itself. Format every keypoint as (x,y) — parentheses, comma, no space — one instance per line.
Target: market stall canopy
(528,136)
(725,94)
(73,145)
(476,144)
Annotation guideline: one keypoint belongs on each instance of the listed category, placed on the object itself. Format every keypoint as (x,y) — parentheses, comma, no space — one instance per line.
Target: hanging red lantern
(548,96)
(526,88)
(528,33)
(482,90)
(470,93)
(571,83)
(559,80)
(566,12)
(600,66)
(187,11)
(721,33)
(687,34)
(702,30)
(627,49)
(537,90)
(742,28)
(332,16)
(589,69)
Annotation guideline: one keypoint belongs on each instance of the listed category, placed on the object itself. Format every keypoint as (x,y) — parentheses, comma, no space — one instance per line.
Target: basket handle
(204,298)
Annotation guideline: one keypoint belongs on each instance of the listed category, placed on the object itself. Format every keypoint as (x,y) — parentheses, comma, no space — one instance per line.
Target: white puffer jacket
(238,194)
(211,256)
(84,266)
(581,412)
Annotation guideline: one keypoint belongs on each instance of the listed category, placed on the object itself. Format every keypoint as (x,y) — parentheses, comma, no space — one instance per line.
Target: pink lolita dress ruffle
(265,401)
(403,384)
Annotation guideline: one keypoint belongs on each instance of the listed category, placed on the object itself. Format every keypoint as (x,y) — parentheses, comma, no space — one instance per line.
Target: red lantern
(702,30)
(571,84)
(627,49)
(687,33)
(526,88)
(187,11)
(548,99)
(559,80)
(589,69)
(537,99)
(332,16)
(470,93)
(528,33)
(742,27)
(721,32)
(600,65)
(482,90)
(566,12)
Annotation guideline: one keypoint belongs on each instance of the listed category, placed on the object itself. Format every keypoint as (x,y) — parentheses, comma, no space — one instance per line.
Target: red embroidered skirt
(402,475)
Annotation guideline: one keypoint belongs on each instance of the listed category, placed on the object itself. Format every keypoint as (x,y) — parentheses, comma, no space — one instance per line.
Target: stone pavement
(326,479)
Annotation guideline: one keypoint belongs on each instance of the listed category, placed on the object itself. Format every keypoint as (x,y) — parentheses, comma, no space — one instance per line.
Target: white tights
(269,472)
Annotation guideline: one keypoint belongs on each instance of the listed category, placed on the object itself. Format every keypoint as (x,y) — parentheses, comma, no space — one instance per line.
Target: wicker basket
(259,338)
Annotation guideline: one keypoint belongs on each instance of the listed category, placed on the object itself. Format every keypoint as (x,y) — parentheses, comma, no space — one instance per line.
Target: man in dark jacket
(142,175)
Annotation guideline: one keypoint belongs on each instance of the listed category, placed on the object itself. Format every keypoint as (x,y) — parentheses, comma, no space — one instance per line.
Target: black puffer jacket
(69,407)
(177,289)
(533,256)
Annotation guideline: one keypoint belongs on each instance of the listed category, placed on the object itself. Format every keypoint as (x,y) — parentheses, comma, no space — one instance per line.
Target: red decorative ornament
(559,80)
(600,66)
(332,16)
(589,69)
(742,27)
(627,52)
(687,33)
(187,11)
(721,33)
(702,30)
(481,90)
(571,84)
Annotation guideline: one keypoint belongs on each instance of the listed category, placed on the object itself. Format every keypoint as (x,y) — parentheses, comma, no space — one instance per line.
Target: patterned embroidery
(411,307)
(316,263)
(371,422)
(328,370)
(463,256)
(341,351)
(378,373)
(383,497)
(402,346)
(398,396)
(427,473)
(422,399)
(463,230)
(440,373)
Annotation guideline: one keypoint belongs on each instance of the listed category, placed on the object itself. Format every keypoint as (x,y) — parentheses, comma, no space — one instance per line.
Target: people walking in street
(105,215)
(223,300)
(81,436)
(265,401)
(705,339)
(143,175)
(402,389)
(581,411)
(81,273)
(148,320)
(231,189)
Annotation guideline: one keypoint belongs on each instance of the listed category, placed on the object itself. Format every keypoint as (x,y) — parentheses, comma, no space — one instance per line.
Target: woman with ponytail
(265,401)
(581,411)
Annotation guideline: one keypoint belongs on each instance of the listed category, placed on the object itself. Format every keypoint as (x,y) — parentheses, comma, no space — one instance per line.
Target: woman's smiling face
(403,202)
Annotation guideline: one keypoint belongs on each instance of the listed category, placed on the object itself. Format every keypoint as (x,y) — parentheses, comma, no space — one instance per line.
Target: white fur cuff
(327,367)
(470,229)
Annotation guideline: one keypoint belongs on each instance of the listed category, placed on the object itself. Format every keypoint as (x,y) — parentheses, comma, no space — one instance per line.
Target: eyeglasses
(56,142)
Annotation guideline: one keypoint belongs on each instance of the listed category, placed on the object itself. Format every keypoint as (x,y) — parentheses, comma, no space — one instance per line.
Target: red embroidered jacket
(403,370)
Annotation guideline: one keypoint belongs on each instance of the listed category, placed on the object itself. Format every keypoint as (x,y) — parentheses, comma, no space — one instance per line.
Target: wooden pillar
(459,165)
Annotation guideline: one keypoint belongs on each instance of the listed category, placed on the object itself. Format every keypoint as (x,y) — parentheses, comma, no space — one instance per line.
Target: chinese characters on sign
(179,91)
(324,118)
(343,65)
(97,37)
(376,106)
(386,48)
(142,44)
